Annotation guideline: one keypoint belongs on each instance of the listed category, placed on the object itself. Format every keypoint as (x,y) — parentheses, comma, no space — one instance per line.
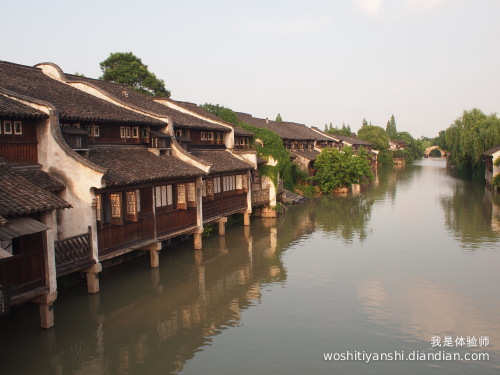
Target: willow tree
(468,138)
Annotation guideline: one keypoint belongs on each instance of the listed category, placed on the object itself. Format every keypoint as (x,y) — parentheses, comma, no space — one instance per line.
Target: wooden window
(138,199)
(144,132)
(122,132)
(244,182)
(216,185)
(191,194)
(95,131)
(178,133)
(131,206)
(7,127)
(210,136)
(18,128)
(116,208)
(163,195)
(135,132)
(154,142)
(181,196)
(210,188)
(170,199)
(239,183)
(203,136)
(127,132)
(204,188)
(98,207)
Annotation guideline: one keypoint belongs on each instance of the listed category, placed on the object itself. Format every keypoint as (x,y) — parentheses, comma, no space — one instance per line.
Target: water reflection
(376,268)
(473,214)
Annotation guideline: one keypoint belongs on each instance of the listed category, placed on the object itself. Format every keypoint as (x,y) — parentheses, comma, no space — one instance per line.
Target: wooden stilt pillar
(46,306)
(198,243)
(93,278)
(246,218)
(222,226)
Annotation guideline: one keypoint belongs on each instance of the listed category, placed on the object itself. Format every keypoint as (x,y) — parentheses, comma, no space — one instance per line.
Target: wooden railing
(73,254)
(224,205)
(170,221)
(260,196)
(113,237)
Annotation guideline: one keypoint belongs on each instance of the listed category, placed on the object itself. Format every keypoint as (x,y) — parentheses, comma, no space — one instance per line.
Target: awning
(21,226)
(159,134)
(74,131)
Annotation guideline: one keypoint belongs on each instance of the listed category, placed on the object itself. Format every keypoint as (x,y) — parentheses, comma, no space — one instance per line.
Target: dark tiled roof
(13,108)
(261,161)
(307,154)
(19,196)
(40,178)
(324,136)
(131,165)
(240,132)
(286,130)
(73,104)
(352,140)
(222,161)
(147,104)
(492,150)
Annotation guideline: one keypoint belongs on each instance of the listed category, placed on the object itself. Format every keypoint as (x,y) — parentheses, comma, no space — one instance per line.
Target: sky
(315,62)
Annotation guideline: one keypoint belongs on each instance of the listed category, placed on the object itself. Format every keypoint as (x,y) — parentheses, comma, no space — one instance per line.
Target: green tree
(335,169)
(391,129)
(128,69)
(278,118)
(375,135)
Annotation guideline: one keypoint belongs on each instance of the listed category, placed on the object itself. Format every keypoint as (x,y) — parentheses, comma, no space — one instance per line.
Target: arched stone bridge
(432,148)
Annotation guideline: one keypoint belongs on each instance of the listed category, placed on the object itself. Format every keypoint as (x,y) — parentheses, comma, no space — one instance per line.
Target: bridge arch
(428,150)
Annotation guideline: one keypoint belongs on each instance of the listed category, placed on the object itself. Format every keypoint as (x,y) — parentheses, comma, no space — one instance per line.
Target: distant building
(490,169)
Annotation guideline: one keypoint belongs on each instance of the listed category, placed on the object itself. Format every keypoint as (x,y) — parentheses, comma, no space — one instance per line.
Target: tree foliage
(278,118)
(468,137)
(335,169)
(128,69)
(375,135)
(272,146)
(345,130)
(391,129)
(222,112)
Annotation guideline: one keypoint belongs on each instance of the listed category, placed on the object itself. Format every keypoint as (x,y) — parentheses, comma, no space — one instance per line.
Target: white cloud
(369,6)
(288,25)
(422,6)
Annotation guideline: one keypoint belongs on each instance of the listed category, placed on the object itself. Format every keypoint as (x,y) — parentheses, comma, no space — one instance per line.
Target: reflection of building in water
(154,323)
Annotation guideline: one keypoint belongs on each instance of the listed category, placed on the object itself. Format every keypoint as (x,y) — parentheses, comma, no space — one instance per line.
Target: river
(394,278)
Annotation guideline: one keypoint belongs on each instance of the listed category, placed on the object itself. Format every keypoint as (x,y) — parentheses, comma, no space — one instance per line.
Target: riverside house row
(91,171)
(305,143)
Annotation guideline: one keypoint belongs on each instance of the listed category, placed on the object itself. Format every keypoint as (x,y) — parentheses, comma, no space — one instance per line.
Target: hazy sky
(315,62)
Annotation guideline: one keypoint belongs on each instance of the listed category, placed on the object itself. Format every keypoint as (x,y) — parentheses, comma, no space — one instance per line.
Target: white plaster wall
(249,157)
(272,190)
(179,153)
(78,178)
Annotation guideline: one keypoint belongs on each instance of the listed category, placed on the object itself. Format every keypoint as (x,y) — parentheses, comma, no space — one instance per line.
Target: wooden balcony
(174,221)
(23,276)
(223,205)
(73,254)
(260,197)
(114,237)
